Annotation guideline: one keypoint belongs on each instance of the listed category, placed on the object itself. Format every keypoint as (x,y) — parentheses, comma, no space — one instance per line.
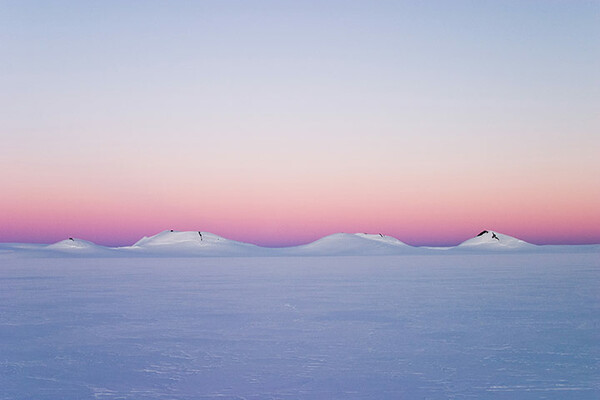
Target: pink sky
(419,208)
(427,122)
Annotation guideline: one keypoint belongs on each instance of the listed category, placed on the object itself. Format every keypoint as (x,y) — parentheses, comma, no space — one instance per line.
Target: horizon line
(303,243)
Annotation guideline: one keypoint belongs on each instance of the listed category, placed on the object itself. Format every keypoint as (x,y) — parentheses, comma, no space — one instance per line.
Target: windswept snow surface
(445,326)
(72,247)
(7,248)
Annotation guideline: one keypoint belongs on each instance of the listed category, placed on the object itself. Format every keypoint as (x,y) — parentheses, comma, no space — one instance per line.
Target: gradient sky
(278,122)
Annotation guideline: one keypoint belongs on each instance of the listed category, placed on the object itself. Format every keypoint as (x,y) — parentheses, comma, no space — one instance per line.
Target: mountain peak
(73,244)
(351,244)
(192,243)
(173,237)
(492,240)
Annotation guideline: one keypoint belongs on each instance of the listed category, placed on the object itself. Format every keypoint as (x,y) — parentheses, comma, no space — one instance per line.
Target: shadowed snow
(446,326)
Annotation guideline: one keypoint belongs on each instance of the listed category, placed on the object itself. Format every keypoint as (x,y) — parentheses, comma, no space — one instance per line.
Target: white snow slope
(191,243)
(351,244)
(74,244)
(490,240)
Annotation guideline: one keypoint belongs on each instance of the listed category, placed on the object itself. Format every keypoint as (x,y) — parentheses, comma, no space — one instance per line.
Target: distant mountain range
(172,243)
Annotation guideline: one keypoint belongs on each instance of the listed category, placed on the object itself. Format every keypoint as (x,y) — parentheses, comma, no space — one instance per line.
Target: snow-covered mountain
(77,247)
(73,244)
(351,244)
(189,243)
(491,240)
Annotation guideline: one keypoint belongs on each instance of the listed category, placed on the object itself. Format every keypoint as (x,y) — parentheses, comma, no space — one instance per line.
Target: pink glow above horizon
(287,210)
(280,127)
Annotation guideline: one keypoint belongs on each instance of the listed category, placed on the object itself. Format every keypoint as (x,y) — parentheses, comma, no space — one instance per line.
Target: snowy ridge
(379,237)
(171,243)
(351,244)
(77,247)
(74,244)
(490,240)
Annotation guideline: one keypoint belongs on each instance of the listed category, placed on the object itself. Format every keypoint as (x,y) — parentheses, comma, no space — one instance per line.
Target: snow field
(400,327)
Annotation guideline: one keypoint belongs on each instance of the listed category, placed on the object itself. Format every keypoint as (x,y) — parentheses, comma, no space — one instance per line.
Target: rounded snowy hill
(183,243)
(491,240)
(77,246)
(351,244)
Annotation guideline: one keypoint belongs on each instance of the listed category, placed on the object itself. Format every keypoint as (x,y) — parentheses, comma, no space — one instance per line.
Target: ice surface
(448,326)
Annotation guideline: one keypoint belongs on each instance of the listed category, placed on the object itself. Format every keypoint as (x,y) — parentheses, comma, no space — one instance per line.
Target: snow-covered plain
(432,326)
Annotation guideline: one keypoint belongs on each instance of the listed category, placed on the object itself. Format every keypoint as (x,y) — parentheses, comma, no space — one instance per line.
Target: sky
(279,122)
